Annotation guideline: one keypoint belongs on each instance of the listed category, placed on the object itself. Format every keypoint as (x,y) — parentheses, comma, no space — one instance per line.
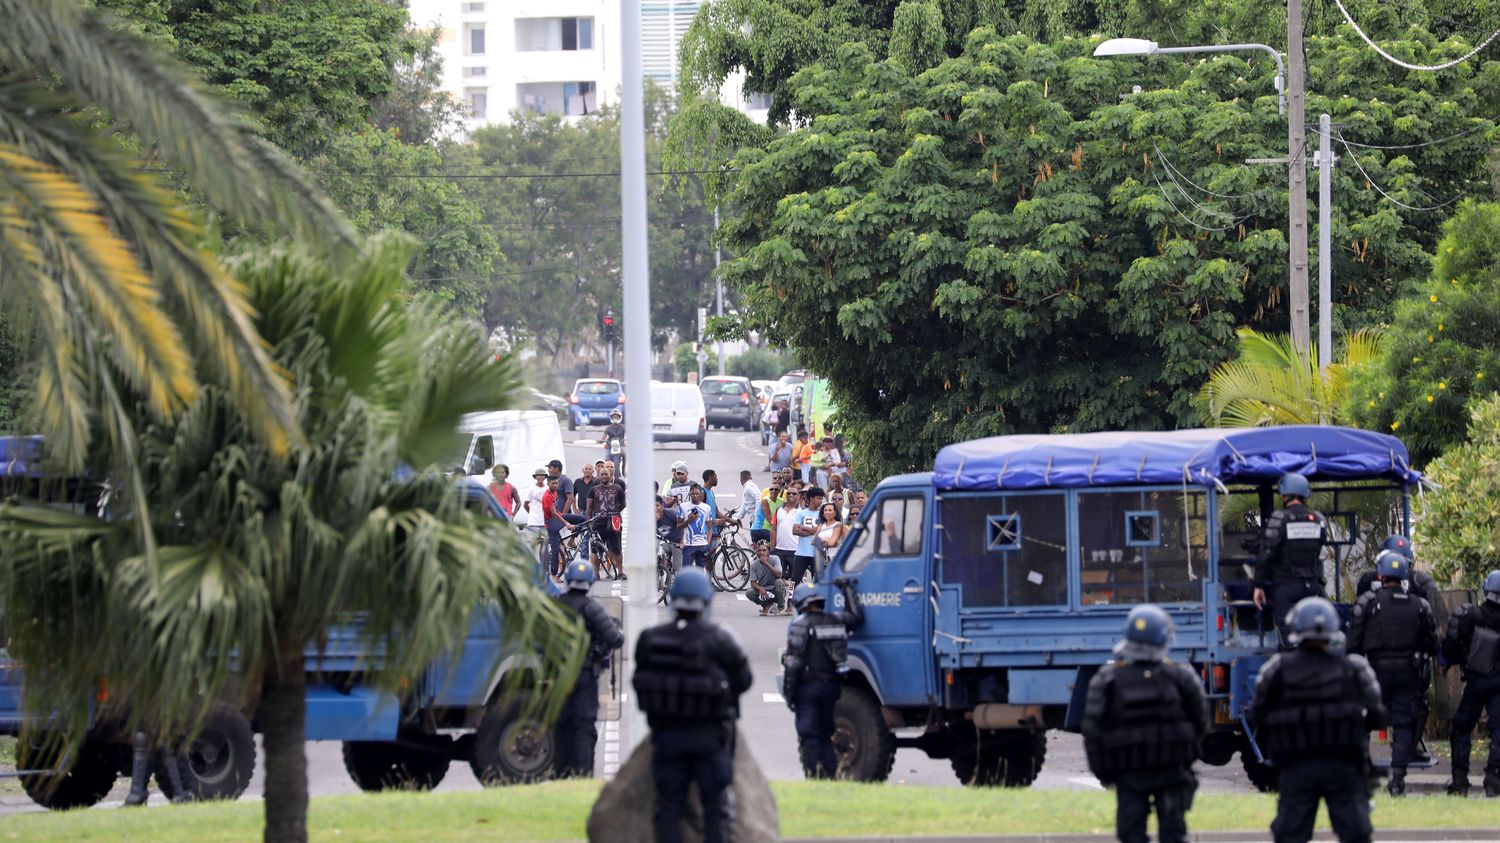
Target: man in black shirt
(614,442)
(1290,565)
(608,499)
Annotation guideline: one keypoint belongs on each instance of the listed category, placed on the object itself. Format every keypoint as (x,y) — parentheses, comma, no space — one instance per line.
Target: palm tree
(1270,383)
(261,550)
(100,255)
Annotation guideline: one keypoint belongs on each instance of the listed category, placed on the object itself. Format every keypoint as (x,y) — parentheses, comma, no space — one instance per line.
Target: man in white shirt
(536,520)
(696,520)
(749,498)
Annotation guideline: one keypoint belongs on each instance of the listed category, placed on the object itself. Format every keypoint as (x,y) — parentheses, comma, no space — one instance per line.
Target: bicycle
(665,572)
(729,565)
(585,535)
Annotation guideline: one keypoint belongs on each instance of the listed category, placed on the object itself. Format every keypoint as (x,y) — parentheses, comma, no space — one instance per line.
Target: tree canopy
(1002,243)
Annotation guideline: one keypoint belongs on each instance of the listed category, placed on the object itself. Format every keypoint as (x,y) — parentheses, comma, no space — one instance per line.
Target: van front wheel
(865,746)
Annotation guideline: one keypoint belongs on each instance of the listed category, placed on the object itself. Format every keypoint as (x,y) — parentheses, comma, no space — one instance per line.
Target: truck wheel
(1219,747)
(91,777)
(1008,758)
(510,748)
(866,748)
(700,443)
(409,765)
(218,763)
(1264,777)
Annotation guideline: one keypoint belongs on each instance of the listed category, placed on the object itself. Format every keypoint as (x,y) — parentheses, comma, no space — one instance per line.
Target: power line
(1453,137)
(1355,158)
(1172,169)
(1190,221)
(1409,66)
(475,176)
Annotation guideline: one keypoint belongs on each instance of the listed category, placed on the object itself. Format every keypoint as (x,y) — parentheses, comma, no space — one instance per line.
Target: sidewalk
(1382,835)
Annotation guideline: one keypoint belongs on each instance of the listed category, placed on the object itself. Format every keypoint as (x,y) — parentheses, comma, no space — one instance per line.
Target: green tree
(685,360)
(918,40)
(1270,383)
(1442,349)
(1000,244)
(758,364)
(1460,524)
(261,552)
(100,257)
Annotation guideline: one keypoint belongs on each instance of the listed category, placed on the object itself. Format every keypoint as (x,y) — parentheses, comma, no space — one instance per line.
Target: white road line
(769,697)
(611,757)
(1088,781)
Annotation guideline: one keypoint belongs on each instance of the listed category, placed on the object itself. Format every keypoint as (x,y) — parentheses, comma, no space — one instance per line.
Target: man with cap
(1143,726)
(1290,564)
(816,656)
(1473,643)
(679,484)
(536,519)
(1312,715)
(576,729)
(689,676)
(1395,631)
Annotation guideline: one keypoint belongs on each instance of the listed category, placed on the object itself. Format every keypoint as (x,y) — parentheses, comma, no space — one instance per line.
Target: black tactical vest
(1319,712)
(1146,725)
(1301,533)
(678,676)
(1393,628)
(1483,656)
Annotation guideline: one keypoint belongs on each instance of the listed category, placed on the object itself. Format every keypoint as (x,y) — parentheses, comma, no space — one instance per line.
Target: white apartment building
(552,56)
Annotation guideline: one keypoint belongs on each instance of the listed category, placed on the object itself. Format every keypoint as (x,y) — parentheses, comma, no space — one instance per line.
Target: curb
(1392,835)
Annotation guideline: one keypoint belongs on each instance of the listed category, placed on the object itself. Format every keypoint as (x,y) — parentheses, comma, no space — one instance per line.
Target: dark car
(730,402)
(592,401)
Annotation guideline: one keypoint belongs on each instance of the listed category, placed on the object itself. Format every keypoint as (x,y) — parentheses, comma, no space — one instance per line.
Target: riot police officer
(816,652)
(1419,583)
(1289,566)
(689,676)
(1473,641)
(1312,713)
(576,729)
(1143,727)
(1395,631)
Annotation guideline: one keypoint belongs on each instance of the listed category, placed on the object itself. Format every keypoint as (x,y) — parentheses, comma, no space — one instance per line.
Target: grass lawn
(558,811)
(8,762)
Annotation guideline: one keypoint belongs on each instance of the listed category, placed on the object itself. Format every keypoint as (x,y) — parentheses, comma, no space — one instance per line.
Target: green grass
(8,786)
(558,811)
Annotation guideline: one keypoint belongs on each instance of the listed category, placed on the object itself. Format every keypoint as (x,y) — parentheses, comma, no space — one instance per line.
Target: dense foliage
(1269,382)
(1004,244)
(1442,349)
(1460,525)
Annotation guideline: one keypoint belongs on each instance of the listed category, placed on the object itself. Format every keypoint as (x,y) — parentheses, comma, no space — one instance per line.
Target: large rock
(623,811)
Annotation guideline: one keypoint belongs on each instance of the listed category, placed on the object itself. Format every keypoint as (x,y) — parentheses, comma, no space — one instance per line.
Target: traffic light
(609,326)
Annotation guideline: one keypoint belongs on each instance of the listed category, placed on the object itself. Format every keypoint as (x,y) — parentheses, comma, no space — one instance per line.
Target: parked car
(730,402)
(677,413)
(763,391)
(524,440)
(592,400)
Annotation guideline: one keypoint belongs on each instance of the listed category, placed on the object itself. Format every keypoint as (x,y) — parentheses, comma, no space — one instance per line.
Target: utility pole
(1297,178)
(1325,242)
(718,286)
(640,526)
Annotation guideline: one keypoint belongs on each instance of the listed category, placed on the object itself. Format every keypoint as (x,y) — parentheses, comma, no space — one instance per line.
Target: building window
(473,8)
(474,43)
(570,98)
(554,34)
(478,100)
(472,72)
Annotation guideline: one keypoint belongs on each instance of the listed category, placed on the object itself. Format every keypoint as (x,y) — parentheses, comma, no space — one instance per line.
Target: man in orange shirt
(802,455)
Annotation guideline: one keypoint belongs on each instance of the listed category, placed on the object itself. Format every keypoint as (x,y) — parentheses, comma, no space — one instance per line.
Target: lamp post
(1296,176)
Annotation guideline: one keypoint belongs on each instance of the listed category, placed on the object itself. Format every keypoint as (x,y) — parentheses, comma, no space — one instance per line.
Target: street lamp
(1142,47)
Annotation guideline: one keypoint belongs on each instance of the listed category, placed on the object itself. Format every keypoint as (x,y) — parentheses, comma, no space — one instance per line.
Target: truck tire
(865,746)
(218,763)
(510,748)
(1263,776)
(90,778)
(410,765)
(1008,758)
(700,442)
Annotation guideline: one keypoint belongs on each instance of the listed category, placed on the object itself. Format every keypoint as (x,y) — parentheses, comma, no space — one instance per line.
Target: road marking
(611,757)
(772,698)
(1088,781)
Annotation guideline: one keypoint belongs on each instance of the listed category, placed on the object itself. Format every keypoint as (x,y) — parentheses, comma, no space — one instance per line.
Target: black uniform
(576,729)
(689,675)
(1312,713)
(1473,641)
(1422,585)
(1396,632)
(1143,725)
(1290,566)
(816,652)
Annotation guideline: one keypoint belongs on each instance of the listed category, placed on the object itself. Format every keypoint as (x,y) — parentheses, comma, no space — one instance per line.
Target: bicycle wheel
(664,577)
(729,569)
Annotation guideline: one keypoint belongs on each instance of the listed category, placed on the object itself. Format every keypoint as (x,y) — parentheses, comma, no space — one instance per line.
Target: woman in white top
(781,524)
(830,534)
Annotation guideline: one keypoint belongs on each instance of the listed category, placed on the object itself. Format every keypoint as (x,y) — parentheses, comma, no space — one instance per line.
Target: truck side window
(1006,549)
(1142,547)
(891,528)
(484,455)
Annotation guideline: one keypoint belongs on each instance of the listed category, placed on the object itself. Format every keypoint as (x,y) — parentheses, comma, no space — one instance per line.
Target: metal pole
(1296,140)
(1325,243)
(718,287)
(640,527)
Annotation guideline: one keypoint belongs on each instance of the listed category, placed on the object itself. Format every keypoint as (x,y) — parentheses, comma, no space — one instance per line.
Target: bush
(686,361)
(1460,525)
(1442,349)
(759,364)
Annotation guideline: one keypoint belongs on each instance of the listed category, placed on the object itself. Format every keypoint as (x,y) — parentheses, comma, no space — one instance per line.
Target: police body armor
(1297,532)
(817,643)
(594,618)
(1148,726)
(1320,711)
(682,680)
(1481,656)
(1393,629)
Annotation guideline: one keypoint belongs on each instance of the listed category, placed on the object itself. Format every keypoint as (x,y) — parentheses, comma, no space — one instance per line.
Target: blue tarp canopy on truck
(1200,457)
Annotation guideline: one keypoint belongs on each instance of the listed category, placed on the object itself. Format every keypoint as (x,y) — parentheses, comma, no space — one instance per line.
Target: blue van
(997,584)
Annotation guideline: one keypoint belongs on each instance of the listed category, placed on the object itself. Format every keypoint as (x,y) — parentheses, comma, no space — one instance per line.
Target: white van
(524,440)
(677,413)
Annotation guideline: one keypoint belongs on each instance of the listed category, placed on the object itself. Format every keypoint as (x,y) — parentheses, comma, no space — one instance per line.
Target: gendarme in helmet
(1294,485)
(1392,564)
(691,591)
(1314,620)
(580,575)
(1148,635)
(805,596)
(1492,587)
(1400,544)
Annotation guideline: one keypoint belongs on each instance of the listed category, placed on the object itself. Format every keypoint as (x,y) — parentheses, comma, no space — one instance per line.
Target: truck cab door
(888,556)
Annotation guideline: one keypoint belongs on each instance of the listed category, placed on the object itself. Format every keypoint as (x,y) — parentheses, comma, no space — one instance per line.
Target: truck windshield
(892,527)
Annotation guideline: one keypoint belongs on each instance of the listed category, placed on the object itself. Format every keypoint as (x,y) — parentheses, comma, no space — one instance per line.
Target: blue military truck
(469,705)
(996,585)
